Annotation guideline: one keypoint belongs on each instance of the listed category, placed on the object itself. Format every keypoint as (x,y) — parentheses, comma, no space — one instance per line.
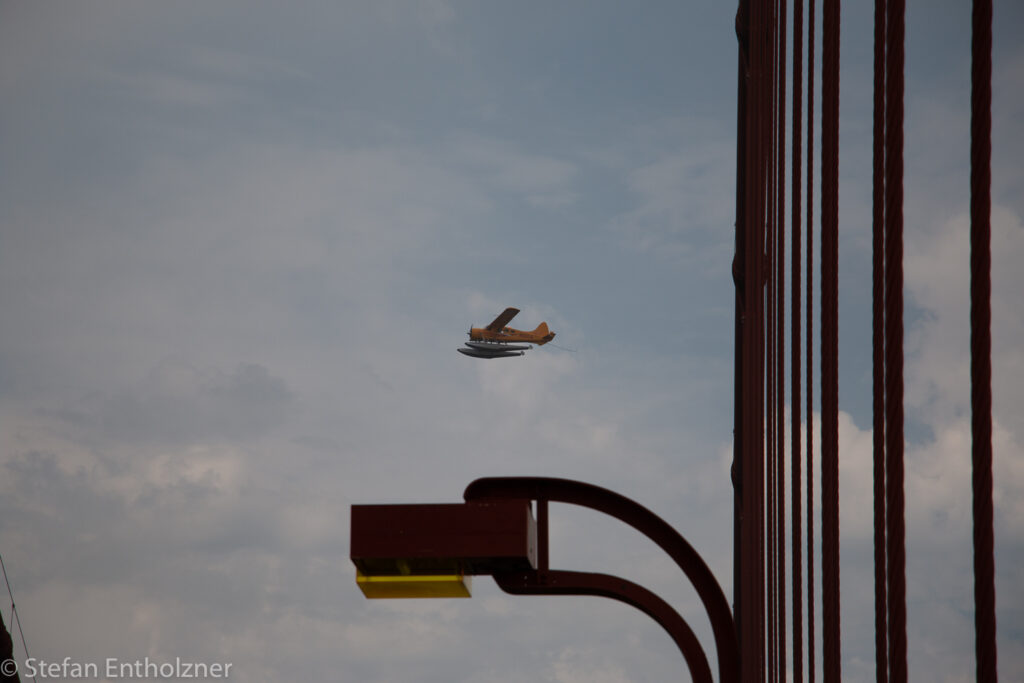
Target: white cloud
(585,667)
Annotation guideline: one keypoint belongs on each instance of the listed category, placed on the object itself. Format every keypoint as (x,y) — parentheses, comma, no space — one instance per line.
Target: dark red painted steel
(474,538)
(558,582)
(809,288)
(644,521)
(739,275)
(795,406)
(780,354)
(770,321)
(981,340)
(894,502)
(768,541)
(752,571)
(831,657)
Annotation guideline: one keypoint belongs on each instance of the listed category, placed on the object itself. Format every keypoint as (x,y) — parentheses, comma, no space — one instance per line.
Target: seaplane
(499,341)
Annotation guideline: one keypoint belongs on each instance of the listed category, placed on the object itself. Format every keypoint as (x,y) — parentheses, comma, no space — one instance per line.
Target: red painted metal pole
(810,341)
(559,582)
(780,353)
(739,279)
(647,523)
(752,569)
(795,348)
(894,499)
(981,341)
(830,343)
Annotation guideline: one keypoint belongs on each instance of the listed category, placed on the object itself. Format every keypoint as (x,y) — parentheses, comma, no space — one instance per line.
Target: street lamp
(433,550)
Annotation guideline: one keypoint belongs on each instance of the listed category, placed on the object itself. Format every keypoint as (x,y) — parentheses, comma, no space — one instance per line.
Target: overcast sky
(241,241)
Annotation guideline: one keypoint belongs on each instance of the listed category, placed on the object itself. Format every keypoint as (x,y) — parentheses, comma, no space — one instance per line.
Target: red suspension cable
(780,351)
(810,341)
(830,342)
(795,407)
(771,338)
(981,341)
(751,331)
(894,504)
(771,237)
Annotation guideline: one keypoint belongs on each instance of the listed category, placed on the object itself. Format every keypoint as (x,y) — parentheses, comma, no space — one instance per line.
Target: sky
(241,241)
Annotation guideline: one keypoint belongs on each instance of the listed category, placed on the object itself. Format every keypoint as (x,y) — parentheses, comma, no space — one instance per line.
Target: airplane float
(498,341)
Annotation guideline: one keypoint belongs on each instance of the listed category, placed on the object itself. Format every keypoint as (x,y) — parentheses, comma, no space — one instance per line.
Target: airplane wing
(499,323)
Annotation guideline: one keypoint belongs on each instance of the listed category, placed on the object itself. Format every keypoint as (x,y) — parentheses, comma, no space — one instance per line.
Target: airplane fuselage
(539,336)
(493,341)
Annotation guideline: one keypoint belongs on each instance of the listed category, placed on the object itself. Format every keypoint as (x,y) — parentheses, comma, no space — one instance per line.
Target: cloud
(541,180)
(577,667)
(685,196)
(180,403)
(239,250)
(938,463)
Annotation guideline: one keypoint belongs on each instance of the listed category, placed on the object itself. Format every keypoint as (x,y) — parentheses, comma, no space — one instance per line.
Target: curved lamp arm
(557,582)
(543,489)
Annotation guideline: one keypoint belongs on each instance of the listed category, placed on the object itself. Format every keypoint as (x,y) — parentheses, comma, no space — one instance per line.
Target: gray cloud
(239,249)
(179,403)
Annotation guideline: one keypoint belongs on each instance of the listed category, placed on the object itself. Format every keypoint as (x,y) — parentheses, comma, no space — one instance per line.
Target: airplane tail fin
(542,331)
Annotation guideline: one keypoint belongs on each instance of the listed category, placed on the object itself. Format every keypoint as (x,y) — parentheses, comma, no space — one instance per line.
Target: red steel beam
(470,538)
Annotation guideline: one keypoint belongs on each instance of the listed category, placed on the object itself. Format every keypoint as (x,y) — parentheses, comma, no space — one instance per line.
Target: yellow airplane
(493,341)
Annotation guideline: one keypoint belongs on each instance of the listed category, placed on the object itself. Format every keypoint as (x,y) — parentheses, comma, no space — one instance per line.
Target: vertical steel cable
(894,503)
(750,236)
(771,125)
(877,342)
(780,351)
(764,215)
(770,320)
(795,369)
(739,265)
(810,342)
(778,357)
(981,340)
(770,357)
(830,342)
